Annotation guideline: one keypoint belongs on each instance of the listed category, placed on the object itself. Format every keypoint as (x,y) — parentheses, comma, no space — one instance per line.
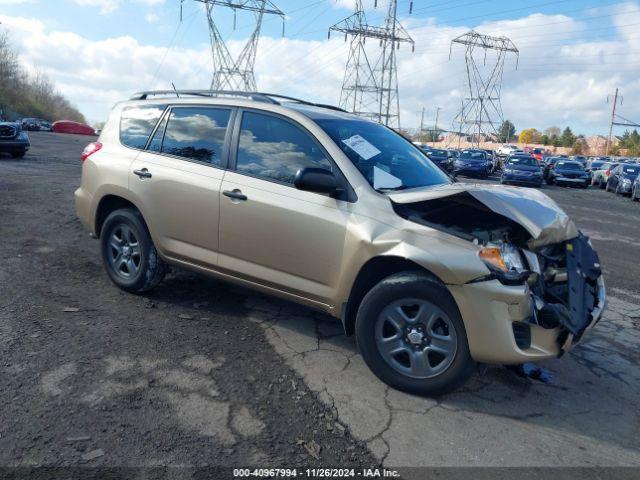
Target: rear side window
(136,124)
(196,133)
(276,149)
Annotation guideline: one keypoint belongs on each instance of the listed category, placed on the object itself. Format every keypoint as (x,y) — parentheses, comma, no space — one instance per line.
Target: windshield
(528,161)
(569,166)
(386,159)
(473,155)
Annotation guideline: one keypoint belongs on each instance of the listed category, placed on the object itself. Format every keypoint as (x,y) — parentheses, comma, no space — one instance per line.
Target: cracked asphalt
(201,373)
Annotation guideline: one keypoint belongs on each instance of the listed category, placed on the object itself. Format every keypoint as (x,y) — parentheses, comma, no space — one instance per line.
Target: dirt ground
(201,373)
(91,375)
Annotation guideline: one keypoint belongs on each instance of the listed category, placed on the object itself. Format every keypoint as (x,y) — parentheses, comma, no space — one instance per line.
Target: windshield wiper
(392,189)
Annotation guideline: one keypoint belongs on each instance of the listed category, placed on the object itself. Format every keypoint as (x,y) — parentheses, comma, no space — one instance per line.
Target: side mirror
(317,180)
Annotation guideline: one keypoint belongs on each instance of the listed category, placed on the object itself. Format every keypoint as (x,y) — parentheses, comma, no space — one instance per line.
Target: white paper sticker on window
(361,147)
(382,179)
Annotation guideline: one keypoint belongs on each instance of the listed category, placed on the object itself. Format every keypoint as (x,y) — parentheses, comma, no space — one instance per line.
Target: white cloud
(559,81)
(152,17)
(110,6)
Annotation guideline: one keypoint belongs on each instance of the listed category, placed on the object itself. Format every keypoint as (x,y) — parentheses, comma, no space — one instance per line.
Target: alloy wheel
(124,253)
(416,338)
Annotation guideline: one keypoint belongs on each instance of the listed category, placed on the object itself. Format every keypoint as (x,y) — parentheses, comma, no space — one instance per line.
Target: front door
(178,178)
(270,232)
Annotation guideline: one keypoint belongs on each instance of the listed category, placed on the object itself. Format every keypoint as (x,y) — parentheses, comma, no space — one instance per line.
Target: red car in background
(69,126)
(537,153)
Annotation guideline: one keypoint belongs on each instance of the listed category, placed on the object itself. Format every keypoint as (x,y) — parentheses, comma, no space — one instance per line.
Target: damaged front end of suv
(544,286)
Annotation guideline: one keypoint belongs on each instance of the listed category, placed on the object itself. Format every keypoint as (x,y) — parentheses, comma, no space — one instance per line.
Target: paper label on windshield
(382,179)
(361,147)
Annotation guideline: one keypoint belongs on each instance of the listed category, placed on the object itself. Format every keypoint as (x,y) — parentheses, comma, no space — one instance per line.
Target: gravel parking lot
(200,373)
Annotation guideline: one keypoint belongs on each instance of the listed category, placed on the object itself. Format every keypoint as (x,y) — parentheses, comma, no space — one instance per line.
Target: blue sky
(573,52)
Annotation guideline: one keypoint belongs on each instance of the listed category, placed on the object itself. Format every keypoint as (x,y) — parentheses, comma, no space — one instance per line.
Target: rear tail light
(607,173)
(90,150)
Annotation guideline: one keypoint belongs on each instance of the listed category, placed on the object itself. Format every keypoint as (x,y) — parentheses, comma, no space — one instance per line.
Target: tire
(550,181)
(634,194)
(19,154)
(438,373)
(602,185)
(125,229)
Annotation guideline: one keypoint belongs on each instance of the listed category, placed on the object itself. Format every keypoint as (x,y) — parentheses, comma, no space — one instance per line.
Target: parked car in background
(621,178)
(13,140)
(601,175)
(635,189)
(473,163)
(45,126)
(521,170)
(30,124)
(568,172)
(579,158)
(537,153)
(493,158)
(68,126)
(549,164)
(440,157)
(592,166)
(506,150)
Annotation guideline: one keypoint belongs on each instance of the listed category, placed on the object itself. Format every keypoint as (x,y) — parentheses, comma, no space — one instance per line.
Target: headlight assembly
(505,262)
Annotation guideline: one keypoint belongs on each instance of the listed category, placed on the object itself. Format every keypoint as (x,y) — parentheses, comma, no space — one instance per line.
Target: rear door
(177,179)
(270,232)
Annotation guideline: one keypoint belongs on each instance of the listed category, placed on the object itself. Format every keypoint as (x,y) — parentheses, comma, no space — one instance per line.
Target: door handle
(234,194)
(144,173)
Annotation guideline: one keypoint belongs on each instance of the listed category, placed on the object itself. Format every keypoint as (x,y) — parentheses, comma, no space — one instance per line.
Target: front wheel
(19,154)
(129,256)
(411,335)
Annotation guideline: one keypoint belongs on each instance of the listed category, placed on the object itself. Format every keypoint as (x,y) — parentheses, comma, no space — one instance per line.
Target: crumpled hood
(536,212)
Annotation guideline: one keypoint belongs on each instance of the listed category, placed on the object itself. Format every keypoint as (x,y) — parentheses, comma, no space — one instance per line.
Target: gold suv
(342,214)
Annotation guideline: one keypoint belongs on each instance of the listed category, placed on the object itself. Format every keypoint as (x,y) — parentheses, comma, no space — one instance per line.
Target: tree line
(555,137)
(29,95)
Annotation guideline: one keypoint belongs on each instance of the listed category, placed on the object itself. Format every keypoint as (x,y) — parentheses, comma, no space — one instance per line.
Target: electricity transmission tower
(481,113)
(229,73)
(370,87)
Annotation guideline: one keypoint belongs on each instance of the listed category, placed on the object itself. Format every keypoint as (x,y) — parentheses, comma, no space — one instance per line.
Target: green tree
(630,141)
(506,132)
(567,139)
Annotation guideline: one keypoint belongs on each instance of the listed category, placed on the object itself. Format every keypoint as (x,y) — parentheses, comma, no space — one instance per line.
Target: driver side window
(275,149)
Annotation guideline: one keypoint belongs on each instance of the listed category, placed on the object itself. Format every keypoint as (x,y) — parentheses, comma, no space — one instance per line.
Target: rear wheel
(129,256)
(19,154)
(634,194)
(411,335)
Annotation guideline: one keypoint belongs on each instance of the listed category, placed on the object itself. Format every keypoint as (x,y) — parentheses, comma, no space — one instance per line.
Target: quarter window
(136,124)
(273,148)
(196,133)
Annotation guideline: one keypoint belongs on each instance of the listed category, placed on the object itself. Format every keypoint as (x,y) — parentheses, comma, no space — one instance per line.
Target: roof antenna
(175,90)
(181,3)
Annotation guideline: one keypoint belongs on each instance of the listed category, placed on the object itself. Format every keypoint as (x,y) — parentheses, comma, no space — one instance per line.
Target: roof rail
(259,97)
(256,96)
